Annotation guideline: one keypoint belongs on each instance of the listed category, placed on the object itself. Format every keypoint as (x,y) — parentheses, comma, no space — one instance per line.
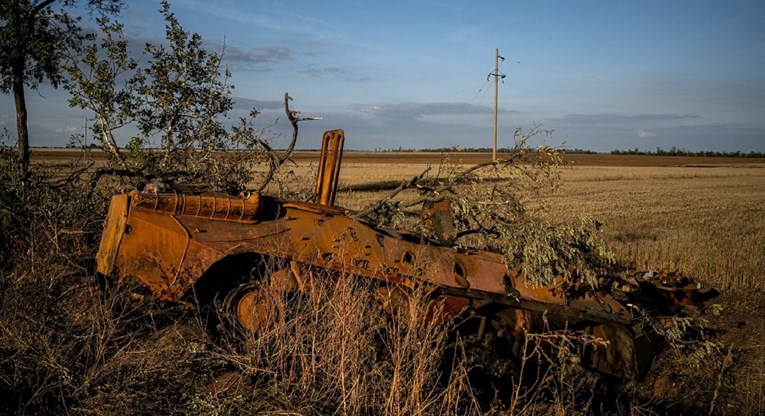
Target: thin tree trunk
(110,144)
(21,116)
(18,63)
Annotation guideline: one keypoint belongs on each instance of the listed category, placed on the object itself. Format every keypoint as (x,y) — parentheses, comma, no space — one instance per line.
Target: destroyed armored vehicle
(178,243)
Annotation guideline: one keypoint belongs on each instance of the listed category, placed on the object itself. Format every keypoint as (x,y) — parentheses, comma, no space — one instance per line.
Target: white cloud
(645,133)
(420,111)
(617,118)
(67,129)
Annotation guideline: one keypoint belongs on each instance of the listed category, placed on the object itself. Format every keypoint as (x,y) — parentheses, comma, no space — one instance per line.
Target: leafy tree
(33,37)
(178,97)
(93,83)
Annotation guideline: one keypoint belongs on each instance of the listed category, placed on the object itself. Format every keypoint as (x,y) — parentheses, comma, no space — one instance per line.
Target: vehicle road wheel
(255,306)
(255,310)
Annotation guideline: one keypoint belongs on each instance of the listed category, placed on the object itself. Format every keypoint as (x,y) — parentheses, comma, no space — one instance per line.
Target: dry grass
(333,350)
(709,223)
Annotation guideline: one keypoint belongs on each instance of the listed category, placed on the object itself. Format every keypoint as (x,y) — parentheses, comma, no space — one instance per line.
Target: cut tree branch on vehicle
(496,218)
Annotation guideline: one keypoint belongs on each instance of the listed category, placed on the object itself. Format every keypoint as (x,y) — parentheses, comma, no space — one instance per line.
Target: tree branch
(438,191)
(40,7)
(403,186)
(278,161)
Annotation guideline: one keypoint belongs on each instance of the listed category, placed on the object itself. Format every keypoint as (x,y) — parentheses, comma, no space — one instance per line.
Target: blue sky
(604,75)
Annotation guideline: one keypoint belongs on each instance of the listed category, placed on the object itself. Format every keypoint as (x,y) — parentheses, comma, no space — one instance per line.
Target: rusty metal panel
(208,205)
(153,249)
(329,167)
(439,220)
(111,235)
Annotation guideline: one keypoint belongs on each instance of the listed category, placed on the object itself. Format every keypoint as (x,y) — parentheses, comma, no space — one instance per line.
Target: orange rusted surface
(168,241)
(210,205)
(168,250)
(254,310)
(439,220)
(329,166)
(114,229)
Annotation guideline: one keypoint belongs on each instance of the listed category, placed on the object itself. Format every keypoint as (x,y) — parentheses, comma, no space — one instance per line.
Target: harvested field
(709,222)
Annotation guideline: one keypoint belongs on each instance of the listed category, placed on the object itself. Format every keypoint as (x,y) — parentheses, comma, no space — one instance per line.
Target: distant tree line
(674,151)
(658,152)
(469,149)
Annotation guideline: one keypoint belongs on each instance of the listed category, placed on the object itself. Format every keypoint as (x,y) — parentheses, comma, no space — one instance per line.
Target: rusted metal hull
(169,241)
(182,246)
(160,241)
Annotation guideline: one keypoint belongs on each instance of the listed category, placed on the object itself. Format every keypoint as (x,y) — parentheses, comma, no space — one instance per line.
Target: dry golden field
(707,222)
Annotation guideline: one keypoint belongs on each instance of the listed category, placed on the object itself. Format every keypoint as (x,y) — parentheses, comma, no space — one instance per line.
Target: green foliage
(177,96)
(576,252)
(94,85)
(33,40)
(489,205)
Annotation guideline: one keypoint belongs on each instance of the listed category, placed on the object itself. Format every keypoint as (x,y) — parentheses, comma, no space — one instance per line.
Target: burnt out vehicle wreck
(176,243)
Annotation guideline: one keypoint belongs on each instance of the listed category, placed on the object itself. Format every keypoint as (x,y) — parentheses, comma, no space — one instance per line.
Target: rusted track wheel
(255,310)
(256,306)
(240,291)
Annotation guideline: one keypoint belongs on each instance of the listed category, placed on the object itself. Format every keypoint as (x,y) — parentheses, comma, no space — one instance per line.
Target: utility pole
(496,94)
(497,75)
